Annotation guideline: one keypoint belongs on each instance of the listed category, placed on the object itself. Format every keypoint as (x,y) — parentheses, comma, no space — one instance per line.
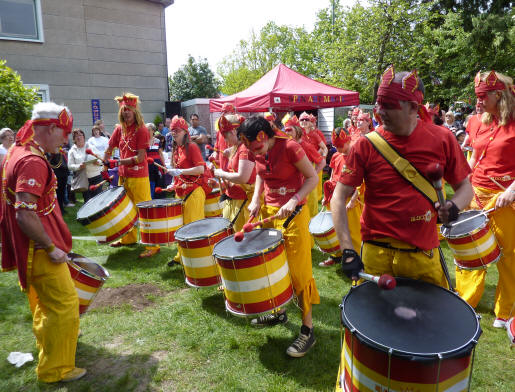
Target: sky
(212,29)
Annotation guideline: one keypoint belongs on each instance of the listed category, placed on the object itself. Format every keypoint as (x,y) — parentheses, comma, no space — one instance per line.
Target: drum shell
(212,205)
(325,237)
(476,249)
(88,278)
(113,220)
(375,366)
(158,223)
(510,329)
(200,268)
(255,283)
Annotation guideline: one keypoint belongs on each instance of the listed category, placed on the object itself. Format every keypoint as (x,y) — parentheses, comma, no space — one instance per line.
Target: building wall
(97,49)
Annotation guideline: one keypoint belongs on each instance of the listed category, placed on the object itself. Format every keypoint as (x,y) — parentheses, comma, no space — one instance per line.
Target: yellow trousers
(353,219)
(298,253)
(231,209)
(54,305)
(192,210)
(138,190)
(470,284)
(414,265)
(320,191)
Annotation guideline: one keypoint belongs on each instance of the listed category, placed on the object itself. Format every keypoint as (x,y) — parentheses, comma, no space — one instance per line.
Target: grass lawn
(182,339)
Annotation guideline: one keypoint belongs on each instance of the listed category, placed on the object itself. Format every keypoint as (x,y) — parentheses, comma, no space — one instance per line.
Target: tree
(193,80)
(17,100)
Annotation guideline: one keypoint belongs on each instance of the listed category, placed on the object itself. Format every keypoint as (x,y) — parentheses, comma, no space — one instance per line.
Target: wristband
(50,248)
(296,196)
(19,205)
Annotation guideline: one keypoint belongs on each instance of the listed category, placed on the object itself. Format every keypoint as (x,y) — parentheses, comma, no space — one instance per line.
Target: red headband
(341,139)
(127,100)
(269,116)
(304,116)
(365,117)
(491,83)
(26,132)
(356,112)
(226,125)
(228,108)
(293,121)
(179,123)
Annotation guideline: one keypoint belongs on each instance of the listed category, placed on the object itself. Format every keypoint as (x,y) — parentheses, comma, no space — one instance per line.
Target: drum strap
(405,169)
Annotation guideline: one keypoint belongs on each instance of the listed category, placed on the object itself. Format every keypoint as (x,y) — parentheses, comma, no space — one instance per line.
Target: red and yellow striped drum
(110,214)
(472,243)
(212,206)
(159,219)
(88,277)
(510,329)
(321,228)
(255,272)
(196,241)
(416,337)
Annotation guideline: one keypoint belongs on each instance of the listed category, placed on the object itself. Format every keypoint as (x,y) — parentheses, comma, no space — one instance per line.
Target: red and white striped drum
(472,243)
(196,241)
(212,206)
(159,219)
(255,272)
(321,228)
(416,337)
(88,277)
(510,329)
(110,214)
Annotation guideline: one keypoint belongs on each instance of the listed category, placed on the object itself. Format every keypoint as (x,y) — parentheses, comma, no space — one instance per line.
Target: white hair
(4,131)
(47,110)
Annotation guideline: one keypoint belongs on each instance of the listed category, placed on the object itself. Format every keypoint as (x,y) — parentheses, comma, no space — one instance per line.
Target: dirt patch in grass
(139,296)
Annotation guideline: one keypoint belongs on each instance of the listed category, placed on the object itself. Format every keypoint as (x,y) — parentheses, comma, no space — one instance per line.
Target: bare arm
(339,211)
(193,171)
(319,166)
(32,227)
(473,159)
(323,149)
(242,176)
(463,194)
(255,204)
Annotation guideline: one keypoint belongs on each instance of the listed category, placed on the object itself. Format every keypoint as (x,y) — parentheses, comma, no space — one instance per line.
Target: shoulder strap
(405,169)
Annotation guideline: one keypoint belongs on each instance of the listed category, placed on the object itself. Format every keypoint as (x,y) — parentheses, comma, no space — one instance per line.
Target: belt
(503,178)
(388,246)
(282,190)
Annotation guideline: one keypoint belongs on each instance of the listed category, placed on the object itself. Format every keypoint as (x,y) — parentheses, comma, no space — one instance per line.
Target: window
(42,91)
(21,20)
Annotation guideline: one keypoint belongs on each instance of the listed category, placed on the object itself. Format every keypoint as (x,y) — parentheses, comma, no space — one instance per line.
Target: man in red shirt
(399,222)
(36,240)
(131,137)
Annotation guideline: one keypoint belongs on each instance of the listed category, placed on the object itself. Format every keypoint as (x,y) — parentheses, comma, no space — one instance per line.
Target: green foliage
(16,99)
(157,119)
(193,80)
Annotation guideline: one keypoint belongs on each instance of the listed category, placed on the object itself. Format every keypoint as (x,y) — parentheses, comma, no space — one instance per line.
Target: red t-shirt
(183,159)
(235,191)
(473,126)
(336,164)
(311,151)
(498,160)
(27,171)
(129,143)
(313,138)
(280,176)
(320,135)
(393,208)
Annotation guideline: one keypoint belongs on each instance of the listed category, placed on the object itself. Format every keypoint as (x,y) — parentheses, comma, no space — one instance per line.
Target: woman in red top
(364,123)
(493,179)
(285,176)
(188,167)
(240,175)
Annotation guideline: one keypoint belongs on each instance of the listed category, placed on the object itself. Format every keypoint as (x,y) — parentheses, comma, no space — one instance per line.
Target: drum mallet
(152,162)
(238,237)
(435,173)
(90,152)
(95,187)
(385,282)
(158,189)
(456,223)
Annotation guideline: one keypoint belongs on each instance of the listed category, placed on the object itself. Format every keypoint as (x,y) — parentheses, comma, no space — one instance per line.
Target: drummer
(36,240)
(190,175)
(399,221)
(321,136)
(493,179)
(218,156)
(341,139)
(293,129)
(285,176)
(240,176)
(131,137)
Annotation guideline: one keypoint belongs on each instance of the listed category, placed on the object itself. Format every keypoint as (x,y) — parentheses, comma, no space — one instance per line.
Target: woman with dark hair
(188,170)
(155,151)
(493,179)
(285,177)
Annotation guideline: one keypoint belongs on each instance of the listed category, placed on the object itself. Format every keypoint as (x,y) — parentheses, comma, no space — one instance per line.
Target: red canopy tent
(283,89)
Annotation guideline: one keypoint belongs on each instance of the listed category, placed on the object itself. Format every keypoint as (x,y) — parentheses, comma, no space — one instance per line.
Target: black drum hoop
(202,237)
(273,247)
(103,212)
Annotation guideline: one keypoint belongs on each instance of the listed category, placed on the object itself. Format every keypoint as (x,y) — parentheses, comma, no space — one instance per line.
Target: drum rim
(172,204)
(102,212)
(246,315)
(246,256)
(320,232)
(483,266)
(179,238)
(476,230)
(78,268)
(422,356)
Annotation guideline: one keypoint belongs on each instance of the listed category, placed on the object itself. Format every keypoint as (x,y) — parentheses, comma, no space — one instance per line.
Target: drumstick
(94,187)
(250,226)
(211,148)
(90,152)
(238,237)
(151,161)
(496,183)
(435,173)
(385,281)
(158,189)
(451,225)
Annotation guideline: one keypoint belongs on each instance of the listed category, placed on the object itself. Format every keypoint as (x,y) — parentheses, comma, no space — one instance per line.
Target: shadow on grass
(215,304)
(108,371)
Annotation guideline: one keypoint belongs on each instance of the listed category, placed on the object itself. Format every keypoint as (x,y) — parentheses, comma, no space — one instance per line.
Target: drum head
(321,223)
(89,266)
(254,242)
(202,228)
(158,203)
(467,227)
(416,319)
(100,202)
